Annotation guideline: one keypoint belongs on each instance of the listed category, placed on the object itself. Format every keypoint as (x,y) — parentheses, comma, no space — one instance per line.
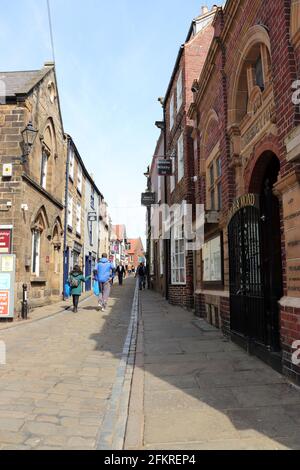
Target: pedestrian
(104,277)
(76,278)
(141,274)
(121,273)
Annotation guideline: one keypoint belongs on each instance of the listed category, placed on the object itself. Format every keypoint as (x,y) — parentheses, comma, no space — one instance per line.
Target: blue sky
(113,59)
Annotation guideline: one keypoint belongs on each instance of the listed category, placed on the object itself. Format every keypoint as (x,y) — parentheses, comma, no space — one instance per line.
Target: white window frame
(79,179)
(36,254)
(179,89)
(161,256)
(70,211)
(172,111)
(178,253)
(78,218)
(71,164)
(180,158)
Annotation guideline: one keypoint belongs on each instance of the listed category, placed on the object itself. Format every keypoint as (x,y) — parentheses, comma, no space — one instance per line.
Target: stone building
(247,138)
(32,195)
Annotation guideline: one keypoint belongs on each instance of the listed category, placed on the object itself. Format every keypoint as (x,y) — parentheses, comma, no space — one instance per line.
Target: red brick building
(247,135)
(179,147)
(135,252)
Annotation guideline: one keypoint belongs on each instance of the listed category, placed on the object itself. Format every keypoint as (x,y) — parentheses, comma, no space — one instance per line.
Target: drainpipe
(166,241)
(66,214)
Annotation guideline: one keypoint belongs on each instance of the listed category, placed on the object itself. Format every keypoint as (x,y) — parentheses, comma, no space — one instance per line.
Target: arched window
(48,156)
(37,229)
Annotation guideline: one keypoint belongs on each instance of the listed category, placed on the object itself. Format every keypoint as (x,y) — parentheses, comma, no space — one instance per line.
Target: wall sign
(5,240)
(7,284)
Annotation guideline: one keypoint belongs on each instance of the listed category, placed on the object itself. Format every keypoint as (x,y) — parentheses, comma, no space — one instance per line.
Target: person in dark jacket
(141,274)
(76,278)
(121,273)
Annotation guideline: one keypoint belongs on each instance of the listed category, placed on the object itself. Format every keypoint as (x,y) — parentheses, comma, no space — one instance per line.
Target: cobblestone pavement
(201,391)
(56,386)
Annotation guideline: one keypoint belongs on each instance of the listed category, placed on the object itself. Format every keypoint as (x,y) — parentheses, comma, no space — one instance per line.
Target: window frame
(179,91)
(36,252)
(178,240)
(180,158)
(70,211)
(79,179)
(78,218)
(172,111)
(71,164)
(44,168)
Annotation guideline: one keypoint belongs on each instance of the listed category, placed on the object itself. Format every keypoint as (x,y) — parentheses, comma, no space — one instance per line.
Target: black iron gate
(247,299)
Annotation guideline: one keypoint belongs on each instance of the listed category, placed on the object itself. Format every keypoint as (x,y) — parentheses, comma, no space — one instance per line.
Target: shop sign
(244,201)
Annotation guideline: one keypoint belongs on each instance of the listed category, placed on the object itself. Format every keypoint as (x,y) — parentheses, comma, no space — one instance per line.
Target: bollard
(25,302)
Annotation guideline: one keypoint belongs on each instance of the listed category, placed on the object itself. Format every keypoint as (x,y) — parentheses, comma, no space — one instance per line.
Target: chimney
(205,10)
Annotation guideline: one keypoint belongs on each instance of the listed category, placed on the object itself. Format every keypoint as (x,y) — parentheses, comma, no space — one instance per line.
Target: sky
(113,60)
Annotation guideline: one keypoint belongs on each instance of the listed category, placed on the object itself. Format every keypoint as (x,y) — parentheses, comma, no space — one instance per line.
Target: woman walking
(76,279)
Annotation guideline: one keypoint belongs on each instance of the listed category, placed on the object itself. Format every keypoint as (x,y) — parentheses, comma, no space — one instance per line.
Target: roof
(136,245)
(21,83)
(119,232)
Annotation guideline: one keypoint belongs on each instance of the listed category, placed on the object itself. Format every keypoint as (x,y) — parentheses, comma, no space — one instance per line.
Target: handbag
(96,288)
(67,290)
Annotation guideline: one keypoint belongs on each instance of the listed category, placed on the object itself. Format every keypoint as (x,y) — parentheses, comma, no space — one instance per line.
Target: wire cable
(51,30)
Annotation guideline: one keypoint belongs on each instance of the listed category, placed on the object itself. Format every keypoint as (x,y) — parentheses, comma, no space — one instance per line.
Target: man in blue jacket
(104,277)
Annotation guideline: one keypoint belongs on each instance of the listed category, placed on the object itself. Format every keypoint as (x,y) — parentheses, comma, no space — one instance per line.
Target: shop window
(178,270)
(212,260)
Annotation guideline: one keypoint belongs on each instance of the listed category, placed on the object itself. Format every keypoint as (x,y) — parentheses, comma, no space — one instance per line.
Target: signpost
(7,283)
(164,167)
(148,199)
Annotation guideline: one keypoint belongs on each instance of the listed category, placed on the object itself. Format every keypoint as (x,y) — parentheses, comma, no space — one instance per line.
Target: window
(172,178)
(214,185)
(36,244)
(161,256)
(212,263)
(180,161)
(78,218)
(71,164)
(44,165)
(79,179)
(93,198)
(70,211)
(259,75)
(172,111)
(179,91)
(178,255)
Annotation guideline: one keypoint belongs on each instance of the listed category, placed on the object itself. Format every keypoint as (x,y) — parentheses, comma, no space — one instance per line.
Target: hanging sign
(165,167)
(148,199)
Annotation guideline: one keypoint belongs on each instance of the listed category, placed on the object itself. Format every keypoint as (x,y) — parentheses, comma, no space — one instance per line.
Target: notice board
(7,285)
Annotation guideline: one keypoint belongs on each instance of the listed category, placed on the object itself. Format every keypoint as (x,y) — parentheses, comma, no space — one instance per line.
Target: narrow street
(60,372)
(68,383)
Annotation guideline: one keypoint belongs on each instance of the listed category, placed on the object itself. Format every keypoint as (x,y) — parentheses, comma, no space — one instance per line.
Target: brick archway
(259,162)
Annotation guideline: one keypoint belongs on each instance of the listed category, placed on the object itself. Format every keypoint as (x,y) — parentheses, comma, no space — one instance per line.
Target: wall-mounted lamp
(29,135)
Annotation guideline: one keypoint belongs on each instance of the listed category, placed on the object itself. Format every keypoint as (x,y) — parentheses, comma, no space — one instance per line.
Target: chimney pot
(204,10)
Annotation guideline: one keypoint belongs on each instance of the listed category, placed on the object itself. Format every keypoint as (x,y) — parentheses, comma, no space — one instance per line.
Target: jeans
(104,293)
(142,282)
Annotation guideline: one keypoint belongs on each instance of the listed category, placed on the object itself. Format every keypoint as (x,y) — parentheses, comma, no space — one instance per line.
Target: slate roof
(21,83)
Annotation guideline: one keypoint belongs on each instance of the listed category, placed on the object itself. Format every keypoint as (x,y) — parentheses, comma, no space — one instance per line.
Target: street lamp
(29,135)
